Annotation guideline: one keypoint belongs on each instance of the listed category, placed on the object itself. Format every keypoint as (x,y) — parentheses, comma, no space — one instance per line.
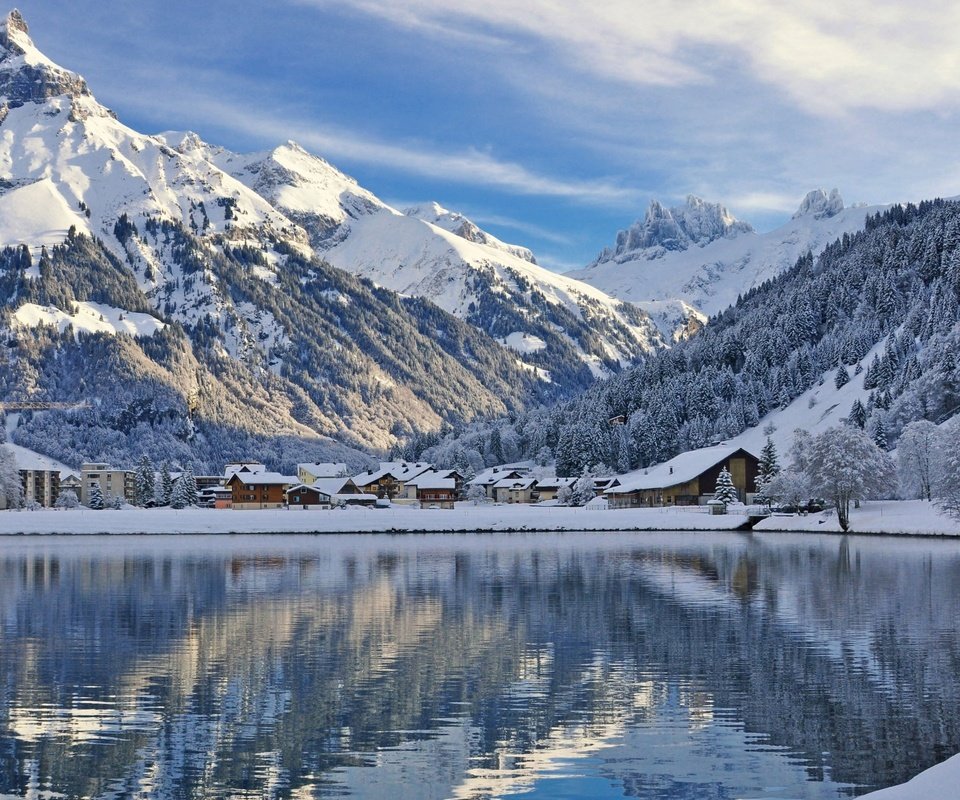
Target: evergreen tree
(178,497)
(96,497)
(583,491)
(11,486)
(726,492)
(145,482)
(842,378)
(879,435)
(767,470)
(190,494)
(857,415)
(165,493)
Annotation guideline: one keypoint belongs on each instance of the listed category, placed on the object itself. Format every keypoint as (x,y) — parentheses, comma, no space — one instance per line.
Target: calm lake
(681,665)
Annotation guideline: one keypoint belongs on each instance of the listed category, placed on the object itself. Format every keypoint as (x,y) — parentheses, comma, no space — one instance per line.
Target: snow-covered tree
(767,470)
(879,435)
(917,458)
(190,493)
(844,464)
(476,494)
(842,378)
(178,497)
(725,492)
(565,495)
(11,486)
(946,485)
(145,488)
(165,489)
(96,497)
(583,491)
(857,415)
(67,499)
(790,487)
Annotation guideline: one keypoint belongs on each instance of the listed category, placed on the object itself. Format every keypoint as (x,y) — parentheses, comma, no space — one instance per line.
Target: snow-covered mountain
(253,335)
(701,255)
(444,257)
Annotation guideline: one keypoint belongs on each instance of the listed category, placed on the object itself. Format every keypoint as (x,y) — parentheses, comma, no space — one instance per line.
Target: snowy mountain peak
(663,230)
(820,205)
(26,75)
(458,224)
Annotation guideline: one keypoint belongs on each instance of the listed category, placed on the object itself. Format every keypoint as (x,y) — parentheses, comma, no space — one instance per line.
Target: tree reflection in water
(653,666)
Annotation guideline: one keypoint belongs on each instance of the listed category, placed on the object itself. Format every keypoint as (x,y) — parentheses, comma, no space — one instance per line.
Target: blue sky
(550,123)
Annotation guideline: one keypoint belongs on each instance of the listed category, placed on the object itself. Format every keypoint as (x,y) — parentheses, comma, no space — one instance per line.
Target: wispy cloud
(470,166)
(829,57)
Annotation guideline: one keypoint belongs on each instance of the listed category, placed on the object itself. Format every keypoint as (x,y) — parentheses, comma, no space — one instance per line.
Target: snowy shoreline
(890,518)
(470,519)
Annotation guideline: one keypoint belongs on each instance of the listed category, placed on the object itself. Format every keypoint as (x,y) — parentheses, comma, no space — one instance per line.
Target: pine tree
(145,482)
(858,414)
(96,497)
(178,497)
(879,435)
(768,469)
(842,378)
(189,482)
(726,492)
(165,493)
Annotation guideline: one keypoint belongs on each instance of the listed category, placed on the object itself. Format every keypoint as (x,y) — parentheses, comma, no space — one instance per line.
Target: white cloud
(829,57)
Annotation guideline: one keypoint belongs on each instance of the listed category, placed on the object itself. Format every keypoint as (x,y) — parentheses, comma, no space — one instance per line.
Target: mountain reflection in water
(645,665)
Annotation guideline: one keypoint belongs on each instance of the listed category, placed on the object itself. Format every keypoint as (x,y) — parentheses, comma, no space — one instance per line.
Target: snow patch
(88,317)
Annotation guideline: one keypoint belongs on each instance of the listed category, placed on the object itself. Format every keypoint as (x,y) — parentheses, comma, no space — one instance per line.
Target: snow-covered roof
(265,478)
(679,469)
(515,483)
(434,482)
(245,467)
(555,482)
(491,475)
(428,479)
(323,469)
(401,471)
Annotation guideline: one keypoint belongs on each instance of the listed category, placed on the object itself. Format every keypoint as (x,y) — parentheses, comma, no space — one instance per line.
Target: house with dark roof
(686,480)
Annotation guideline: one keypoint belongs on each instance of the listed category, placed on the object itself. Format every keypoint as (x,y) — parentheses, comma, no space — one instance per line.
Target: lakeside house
(490,477)
(687,479)
(258,488)
(516,490)
(327,493)
(113,482)
(311,471)
(388,481)
(549,488)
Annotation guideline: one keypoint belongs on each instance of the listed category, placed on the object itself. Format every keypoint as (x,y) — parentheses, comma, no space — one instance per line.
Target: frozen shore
(465,519)
(900,517)
(937,783)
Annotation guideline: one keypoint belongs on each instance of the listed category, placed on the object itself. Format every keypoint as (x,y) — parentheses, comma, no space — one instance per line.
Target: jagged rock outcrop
(663,230)
(820,205)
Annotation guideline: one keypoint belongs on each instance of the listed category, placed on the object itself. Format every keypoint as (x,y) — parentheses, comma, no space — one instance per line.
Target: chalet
(688,479)
(493,475)
(327,493)
(436,488)
(259,489)
(549,488)
(516,490)
(314,470)
(389,480)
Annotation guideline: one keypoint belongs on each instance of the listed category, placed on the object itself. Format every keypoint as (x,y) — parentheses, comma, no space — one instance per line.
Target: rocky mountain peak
(26,75)
(819,205)
(663,229)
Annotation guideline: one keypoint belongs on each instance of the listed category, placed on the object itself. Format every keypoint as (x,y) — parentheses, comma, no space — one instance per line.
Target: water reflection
(649,666)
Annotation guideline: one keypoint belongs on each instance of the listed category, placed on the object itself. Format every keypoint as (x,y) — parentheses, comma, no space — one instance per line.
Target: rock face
(664,230)
(26,76)
(819,205)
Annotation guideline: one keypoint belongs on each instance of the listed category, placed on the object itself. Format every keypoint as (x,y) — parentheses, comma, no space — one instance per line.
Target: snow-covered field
(466,519)
(887,517)
(915,517)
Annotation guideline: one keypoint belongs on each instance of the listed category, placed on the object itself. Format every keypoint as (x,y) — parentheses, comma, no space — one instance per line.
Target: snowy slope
(720,259)
(456,223)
